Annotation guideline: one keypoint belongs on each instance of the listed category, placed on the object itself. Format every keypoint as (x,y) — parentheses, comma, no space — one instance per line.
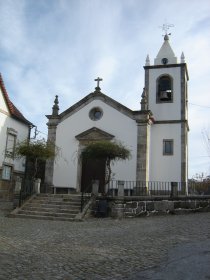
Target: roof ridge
(15,113)
(93,95)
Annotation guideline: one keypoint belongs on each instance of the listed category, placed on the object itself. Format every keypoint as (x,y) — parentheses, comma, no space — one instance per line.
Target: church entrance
(93,169)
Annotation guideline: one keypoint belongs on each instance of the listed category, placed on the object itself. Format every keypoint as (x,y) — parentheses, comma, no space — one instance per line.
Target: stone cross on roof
(98,80)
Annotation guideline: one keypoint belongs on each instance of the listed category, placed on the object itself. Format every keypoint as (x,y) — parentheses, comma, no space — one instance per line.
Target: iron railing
(27,190)
(85,196)
(120,188)
(143,188)
(199,187)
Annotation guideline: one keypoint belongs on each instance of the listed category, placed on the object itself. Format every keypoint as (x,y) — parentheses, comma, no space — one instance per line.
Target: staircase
(62,207)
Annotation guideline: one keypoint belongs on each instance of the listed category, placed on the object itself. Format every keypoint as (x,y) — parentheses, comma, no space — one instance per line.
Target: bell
(163,95)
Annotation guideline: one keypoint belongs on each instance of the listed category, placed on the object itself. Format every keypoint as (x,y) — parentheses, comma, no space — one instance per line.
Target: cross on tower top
(98,80)
(165,27)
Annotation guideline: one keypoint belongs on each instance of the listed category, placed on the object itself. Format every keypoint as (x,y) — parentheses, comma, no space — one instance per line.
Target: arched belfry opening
(164,89)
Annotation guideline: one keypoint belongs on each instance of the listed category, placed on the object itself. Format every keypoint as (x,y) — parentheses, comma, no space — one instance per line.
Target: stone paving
(156,247)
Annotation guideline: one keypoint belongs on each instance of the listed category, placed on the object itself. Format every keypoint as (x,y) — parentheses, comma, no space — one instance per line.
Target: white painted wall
(165,168)
(113,122)
(3,134)
(165,111)
(3,105)
(22,133)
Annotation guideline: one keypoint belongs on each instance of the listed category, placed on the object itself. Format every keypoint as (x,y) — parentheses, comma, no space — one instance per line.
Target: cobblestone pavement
(161,247)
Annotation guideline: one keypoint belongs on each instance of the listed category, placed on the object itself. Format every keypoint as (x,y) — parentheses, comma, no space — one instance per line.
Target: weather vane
(165,27)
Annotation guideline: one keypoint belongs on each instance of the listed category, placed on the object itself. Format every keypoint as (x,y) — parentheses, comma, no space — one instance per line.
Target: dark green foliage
(36,153)
(39,149)
(106,150)
(110,151)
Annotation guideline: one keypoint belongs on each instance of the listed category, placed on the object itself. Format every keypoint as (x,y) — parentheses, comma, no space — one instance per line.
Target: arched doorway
(92,169)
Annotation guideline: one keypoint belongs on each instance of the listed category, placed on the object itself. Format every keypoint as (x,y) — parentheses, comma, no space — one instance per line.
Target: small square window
(7,172)
(168,147)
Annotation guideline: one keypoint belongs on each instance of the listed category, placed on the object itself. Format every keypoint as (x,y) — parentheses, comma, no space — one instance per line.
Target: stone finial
(182,58)
(147,63)
(55,108)
(166,37)
(144,103)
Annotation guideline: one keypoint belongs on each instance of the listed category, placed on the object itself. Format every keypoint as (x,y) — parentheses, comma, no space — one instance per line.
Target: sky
(58,47)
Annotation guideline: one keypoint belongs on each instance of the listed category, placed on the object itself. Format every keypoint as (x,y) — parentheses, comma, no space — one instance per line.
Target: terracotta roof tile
(15,113)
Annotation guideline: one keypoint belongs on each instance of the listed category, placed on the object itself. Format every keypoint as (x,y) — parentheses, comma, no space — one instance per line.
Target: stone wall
(122,209)
(6,195)
(6,189)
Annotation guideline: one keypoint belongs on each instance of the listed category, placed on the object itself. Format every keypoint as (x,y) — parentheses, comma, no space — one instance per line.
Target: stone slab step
(59,195)
(40,217)
(34,201)
(30,208)
(52,207)
(47,214)
(54,202)
(58,198)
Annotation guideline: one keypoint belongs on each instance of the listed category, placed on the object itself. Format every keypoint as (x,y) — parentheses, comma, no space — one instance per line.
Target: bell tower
(166,87)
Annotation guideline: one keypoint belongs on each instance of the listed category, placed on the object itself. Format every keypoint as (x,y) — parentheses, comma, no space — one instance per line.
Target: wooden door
(92,169)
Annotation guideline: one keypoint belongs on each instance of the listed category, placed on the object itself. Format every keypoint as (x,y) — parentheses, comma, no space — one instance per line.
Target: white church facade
(156,135)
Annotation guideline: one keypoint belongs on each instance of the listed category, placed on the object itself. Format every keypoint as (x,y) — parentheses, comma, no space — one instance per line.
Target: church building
(156,135)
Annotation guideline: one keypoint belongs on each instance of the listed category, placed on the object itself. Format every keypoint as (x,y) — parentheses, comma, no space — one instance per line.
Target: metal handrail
(27,190)
(83,197)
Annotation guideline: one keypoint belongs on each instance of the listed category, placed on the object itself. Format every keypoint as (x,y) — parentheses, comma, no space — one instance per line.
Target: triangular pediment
(94,133)
(96,96)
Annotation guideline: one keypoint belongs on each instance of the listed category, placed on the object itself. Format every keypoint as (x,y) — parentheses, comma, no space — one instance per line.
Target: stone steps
(43,217)
(50,207)
(55,203)
(36,206)
(47,213)
(49,210)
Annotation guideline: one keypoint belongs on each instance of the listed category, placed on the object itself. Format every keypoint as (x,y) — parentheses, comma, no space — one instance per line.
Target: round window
(96,114)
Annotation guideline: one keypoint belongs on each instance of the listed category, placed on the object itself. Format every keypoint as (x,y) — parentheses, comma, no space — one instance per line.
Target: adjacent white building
(13,128)
(156,134)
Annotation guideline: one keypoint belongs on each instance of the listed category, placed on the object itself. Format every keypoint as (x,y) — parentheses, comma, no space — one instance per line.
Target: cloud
(59,47)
